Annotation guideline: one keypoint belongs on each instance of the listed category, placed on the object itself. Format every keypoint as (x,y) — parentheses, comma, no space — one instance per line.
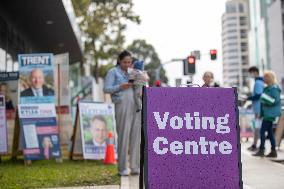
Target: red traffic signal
(213,54)
(191,60)
(158,83)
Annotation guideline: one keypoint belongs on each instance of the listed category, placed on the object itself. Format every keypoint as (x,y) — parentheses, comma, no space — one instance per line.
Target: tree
(145,51)
(103,23)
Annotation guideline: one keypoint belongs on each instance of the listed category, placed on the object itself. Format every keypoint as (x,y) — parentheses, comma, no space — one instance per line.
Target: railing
(85,91)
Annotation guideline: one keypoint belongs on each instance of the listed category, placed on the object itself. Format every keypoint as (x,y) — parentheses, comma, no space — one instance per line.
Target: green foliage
(103,23)
(47,174)
(145,51)
(104,69)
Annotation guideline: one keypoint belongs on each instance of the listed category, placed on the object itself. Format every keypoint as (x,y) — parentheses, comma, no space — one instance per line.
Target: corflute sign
(192,138)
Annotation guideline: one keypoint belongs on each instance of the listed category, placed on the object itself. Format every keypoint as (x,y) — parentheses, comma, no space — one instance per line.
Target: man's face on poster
(99,131)
(37,79)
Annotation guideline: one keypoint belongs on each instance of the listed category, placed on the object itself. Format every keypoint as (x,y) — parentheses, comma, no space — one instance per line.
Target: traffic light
(189,65)
(213,54)
(158,83)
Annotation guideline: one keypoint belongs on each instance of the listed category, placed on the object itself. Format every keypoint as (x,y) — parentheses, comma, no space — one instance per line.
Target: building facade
(235,26)
(37,26)
(276,31)
(259,34)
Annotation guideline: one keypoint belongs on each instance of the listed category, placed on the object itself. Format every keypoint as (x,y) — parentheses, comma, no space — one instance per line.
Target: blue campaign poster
(39,131)
(36,78)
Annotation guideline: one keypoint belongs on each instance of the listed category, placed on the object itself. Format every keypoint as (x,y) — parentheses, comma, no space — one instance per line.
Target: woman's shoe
(124,173)
(135,171)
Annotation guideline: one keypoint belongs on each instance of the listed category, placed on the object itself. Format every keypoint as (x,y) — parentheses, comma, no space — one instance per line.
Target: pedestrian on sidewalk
(270,110)
(122,94)
(255,98)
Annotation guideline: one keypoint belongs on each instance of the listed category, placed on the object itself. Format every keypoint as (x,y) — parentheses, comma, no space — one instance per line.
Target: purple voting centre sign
(191,138)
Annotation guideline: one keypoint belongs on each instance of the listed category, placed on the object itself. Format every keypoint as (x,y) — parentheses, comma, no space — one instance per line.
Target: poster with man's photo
(36,82)
(39,131)
(97,120)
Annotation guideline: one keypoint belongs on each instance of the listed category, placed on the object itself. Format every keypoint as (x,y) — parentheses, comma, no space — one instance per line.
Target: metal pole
(158,70)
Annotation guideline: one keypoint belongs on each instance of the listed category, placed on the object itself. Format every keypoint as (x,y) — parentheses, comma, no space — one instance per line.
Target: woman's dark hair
(122,55)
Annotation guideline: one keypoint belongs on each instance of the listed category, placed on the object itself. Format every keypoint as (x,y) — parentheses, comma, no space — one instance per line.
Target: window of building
(232,37)
(233,50)
(232,31)
(244,44)
(233,57)
(231,8)
(243,49)
(232,18)
(243,33)
(241,8)
(243,21)
(231,24)
(232,44)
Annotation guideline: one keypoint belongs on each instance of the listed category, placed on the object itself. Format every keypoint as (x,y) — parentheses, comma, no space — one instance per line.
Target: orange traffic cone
(110,154)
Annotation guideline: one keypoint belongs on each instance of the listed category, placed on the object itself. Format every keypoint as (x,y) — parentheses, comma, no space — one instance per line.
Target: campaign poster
(36,82)
(191,138)
(9,88)
(96,121)
(247,122)
(3,126)
(39,131)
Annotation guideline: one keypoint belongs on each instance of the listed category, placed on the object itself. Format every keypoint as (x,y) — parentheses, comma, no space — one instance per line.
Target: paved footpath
(258,173)
(262,173)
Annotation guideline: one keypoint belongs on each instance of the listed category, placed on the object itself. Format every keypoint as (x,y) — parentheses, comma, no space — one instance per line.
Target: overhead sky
(177,27)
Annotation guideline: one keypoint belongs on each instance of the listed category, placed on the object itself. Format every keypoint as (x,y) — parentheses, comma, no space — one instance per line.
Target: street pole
(158,70)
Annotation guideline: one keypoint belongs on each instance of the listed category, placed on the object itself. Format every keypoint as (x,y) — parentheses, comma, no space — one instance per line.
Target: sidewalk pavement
(257,173)
(262,173)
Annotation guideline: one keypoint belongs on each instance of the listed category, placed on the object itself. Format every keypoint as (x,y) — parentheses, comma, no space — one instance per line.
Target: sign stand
(16,141)
(16,137)
(142,146)
(76,135)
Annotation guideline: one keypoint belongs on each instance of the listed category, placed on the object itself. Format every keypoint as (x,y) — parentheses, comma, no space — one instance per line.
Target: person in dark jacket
(37,85)
(270,110)
(255,98)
